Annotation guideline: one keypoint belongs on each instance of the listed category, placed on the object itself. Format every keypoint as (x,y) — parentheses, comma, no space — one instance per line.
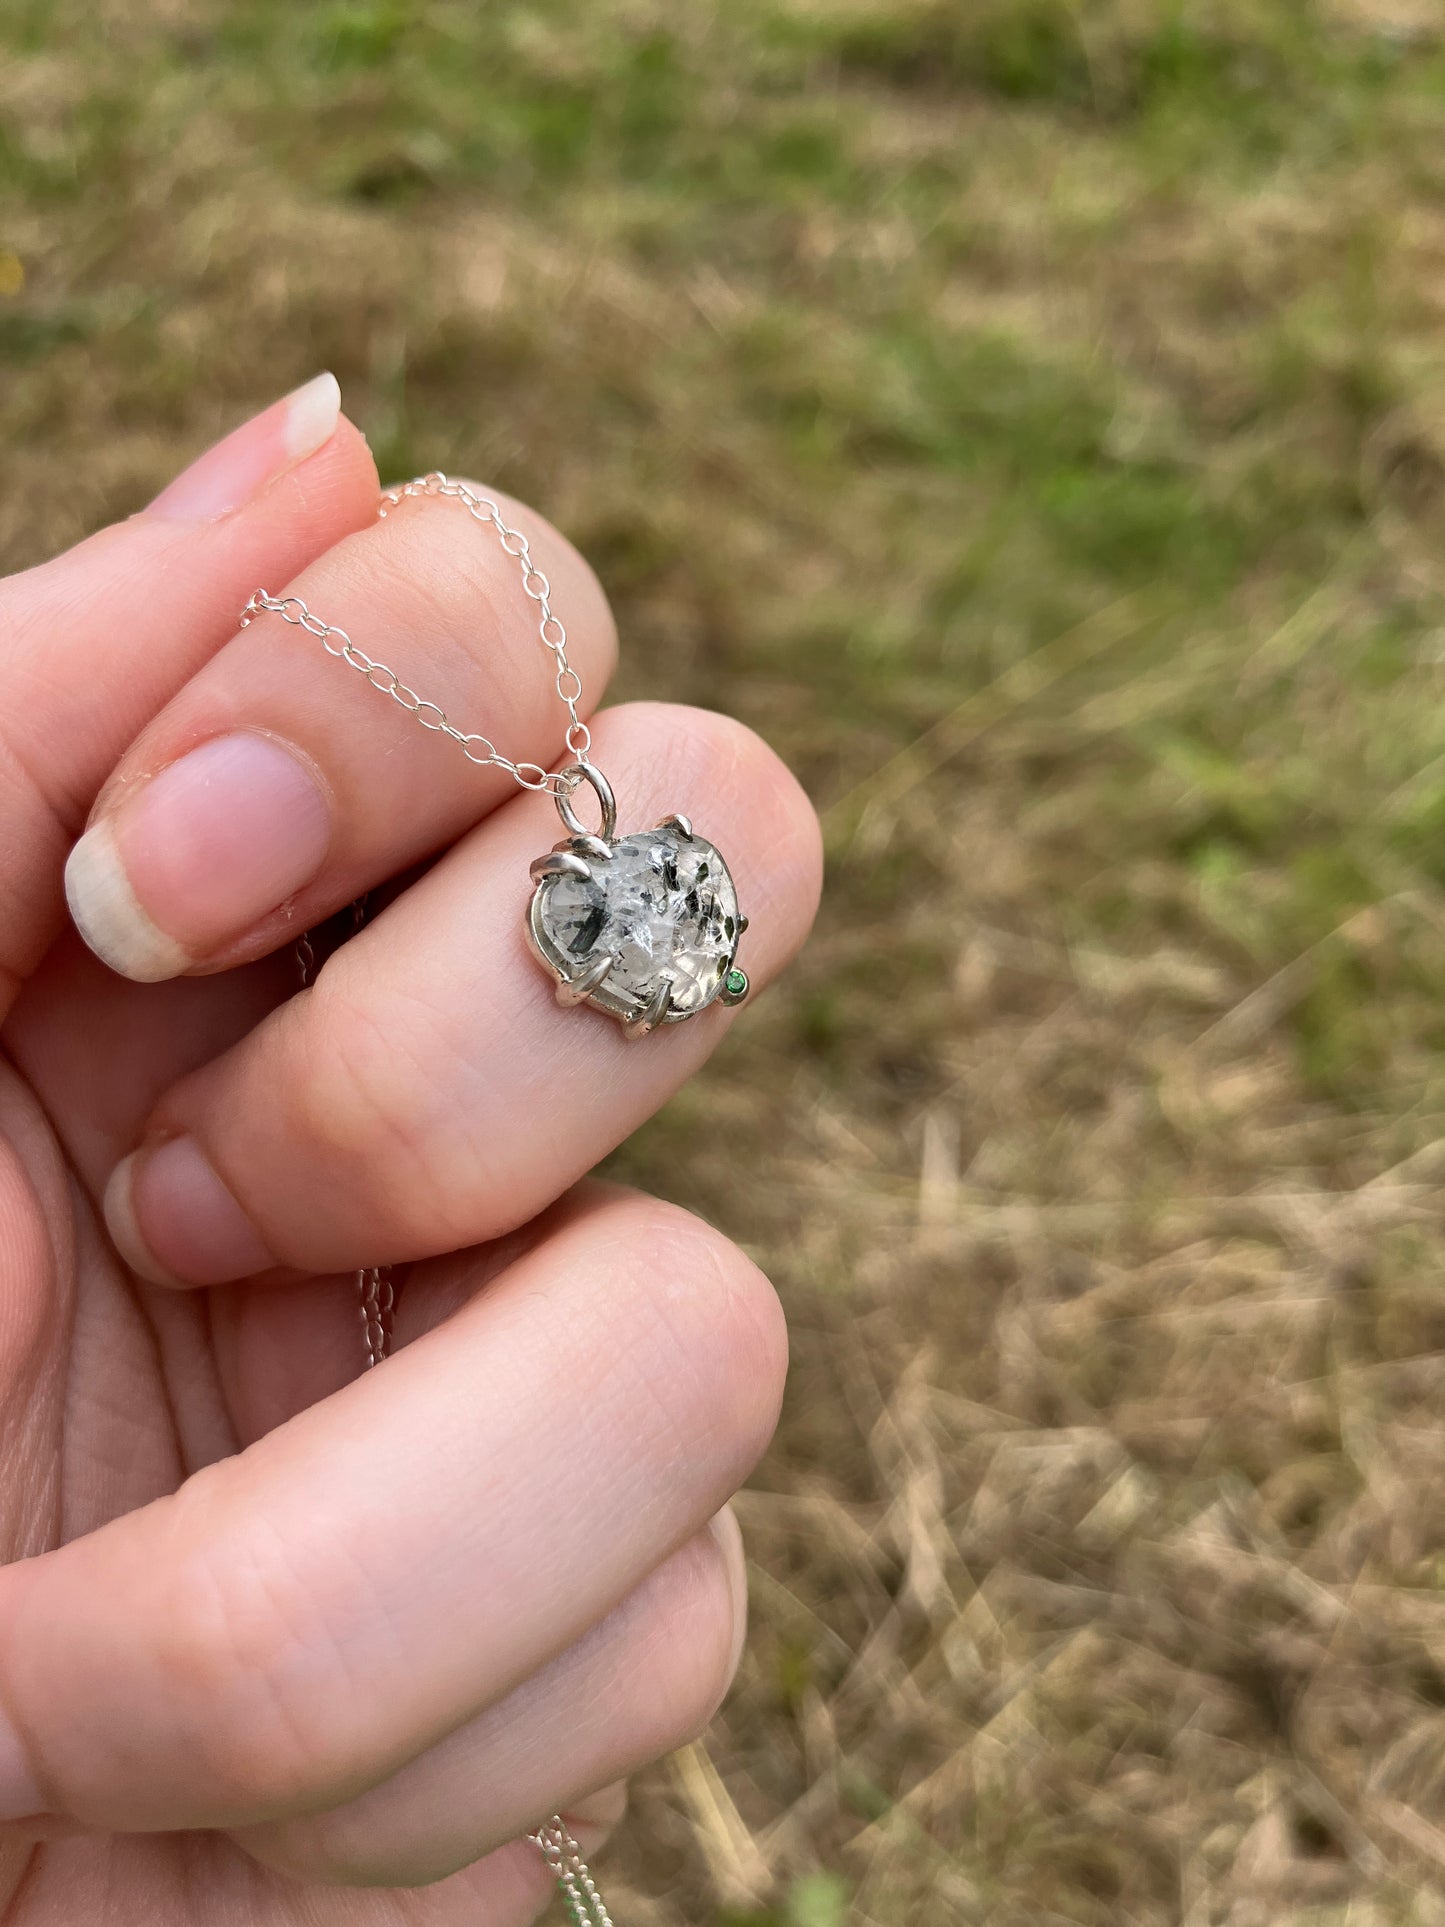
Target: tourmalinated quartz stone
(663,906)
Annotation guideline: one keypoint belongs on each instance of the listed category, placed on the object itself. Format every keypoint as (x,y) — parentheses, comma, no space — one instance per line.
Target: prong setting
(642,1023)
(561,863)
(590,848)
(572,991)
(643,927)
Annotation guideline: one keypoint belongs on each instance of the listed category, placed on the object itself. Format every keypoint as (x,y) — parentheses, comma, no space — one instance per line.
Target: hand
(274,1626)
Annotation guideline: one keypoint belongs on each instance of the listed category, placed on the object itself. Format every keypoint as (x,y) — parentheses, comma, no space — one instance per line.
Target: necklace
(645,926)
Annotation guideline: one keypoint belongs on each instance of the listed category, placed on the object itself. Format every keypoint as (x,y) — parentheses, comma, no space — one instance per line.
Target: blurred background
(1030,415)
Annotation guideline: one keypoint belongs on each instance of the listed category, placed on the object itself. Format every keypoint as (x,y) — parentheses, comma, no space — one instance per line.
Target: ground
(1030,414)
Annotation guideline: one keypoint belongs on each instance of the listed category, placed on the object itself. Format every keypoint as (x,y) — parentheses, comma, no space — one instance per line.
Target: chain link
(583,1902)
(375,1292)
(377,1298)
(477,748)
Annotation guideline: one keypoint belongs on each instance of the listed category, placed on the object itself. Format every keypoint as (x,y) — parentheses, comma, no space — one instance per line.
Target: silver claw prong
(576,990)
(588,847)
(742,925)
(561,863)
(680,823)
(646,1021)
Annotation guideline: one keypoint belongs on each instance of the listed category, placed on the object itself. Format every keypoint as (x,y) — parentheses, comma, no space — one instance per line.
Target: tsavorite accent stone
(663,906)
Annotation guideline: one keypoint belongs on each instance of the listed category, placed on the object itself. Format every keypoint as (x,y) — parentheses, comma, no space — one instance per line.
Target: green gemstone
(736,982)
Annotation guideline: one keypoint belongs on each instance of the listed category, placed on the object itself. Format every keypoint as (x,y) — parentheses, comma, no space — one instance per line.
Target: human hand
(274,1628)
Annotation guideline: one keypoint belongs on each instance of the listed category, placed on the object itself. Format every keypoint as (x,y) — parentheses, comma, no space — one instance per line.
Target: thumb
(94,643)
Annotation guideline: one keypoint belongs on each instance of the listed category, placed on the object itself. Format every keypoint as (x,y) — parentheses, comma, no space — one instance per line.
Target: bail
(573,776)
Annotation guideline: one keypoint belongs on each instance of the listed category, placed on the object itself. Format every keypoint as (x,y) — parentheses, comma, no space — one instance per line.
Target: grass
(1029,415)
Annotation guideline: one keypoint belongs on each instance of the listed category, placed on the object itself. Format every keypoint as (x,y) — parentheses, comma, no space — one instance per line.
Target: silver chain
(584,1904)
(377,1298)
(477,748)
(376,1294)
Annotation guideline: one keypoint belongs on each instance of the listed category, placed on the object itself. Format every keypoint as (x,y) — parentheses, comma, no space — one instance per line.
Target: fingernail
(728,1533)
(192,860)
(20,1797)
(174,1221)
(236,470)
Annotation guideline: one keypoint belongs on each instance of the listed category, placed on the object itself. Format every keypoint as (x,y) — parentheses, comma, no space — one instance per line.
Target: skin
(274,1629)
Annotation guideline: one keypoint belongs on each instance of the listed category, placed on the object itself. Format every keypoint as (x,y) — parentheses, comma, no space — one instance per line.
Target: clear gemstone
(663,906)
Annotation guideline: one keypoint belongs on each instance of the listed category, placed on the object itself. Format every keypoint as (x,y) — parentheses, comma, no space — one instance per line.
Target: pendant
(645,927)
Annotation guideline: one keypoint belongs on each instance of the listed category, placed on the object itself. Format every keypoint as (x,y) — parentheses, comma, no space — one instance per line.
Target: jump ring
(582,772)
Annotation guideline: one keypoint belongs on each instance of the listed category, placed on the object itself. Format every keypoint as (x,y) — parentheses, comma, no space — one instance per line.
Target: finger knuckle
(433,560)
(372,1100)
(434,564)
(253,1680)
(576,591)
(326,1850)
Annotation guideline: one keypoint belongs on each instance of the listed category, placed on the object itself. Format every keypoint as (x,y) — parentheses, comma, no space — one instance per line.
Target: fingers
(643,1682)
(93,643)
(99,1051)
(278,1352)
(428,1094)
(297,1623)
(278,785)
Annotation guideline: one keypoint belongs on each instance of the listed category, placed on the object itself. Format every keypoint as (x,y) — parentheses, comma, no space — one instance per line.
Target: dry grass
(1031,416)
